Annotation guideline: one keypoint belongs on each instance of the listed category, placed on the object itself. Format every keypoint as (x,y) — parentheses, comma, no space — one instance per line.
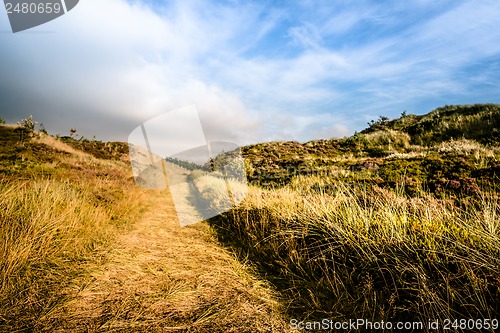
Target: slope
(451,149)
(83,249)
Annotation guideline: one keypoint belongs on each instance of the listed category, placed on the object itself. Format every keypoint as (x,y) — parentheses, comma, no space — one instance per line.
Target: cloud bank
(256,71)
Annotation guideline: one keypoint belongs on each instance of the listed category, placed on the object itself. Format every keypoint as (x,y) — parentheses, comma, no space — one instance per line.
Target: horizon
(257,72)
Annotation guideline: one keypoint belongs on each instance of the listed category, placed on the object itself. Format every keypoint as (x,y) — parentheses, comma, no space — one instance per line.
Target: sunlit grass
(49,229)
(59,208)
(371,253)
(82,248)
(219,194)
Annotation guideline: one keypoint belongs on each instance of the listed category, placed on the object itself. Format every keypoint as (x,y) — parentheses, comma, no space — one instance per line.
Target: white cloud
(305,35)
(110,65)
(123,61)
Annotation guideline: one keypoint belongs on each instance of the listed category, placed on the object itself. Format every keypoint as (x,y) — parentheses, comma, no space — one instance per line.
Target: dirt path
(179,189)
(161,277)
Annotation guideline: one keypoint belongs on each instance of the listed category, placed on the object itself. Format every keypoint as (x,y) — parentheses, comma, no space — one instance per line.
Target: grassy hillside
(398,222)
(83,249)
(479,122)
(58,208)
(453,149)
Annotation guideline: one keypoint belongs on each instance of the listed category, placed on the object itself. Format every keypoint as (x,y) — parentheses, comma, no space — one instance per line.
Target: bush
(28,124)
(26,128)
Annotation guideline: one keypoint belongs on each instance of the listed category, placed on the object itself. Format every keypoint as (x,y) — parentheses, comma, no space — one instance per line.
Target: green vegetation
(480,122)
(453,149)
(399,222)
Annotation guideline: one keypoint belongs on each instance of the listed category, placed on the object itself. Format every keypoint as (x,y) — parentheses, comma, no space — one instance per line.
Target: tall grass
(371,253)
(388,140)
(216,194)
(49,229)
(75,256)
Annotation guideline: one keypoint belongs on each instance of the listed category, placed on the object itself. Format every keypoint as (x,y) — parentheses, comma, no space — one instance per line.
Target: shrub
(26,128)
(43,129)
(28,124)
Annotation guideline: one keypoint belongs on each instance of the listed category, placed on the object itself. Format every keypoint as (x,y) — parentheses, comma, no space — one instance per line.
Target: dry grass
(464,147)
(59,210)
(162,277)
(377,254)
(406,156)
(218,194)
(58,144)
(82,249)
(49,229)
(389,140)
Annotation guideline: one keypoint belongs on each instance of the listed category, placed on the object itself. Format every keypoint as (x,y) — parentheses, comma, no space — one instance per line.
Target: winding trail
(160,277)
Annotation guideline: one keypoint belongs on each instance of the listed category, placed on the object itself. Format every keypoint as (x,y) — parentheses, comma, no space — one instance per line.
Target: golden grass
(372,253)
(219,194)
(464,147)
(82,249)
(162,277)
(49,228)
(389,139)
(58,144)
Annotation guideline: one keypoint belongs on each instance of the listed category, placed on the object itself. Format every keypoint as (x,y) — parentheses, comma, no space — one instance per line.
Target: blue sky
(256,71)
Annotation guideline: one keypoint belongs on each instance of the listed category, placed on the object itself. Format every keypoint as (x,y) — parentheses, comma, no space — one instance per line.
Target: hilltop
(479,122)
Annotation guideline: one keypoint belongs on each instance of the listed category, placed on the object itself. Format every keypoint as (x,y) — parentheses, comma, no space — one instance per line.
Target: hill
(453,148)
(83,249)
(479,122)
(398,223)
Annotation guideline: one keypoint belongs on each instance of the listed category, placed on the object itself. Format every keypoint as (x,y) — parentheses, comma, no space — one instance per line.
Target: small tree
(42,129)
(383,119)
(28,124)
(380,124)
(72,133)
(27,127)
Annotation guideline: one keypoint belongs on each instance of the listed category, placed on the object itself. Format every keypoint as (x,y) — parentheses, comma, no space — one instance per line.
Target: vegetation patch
(398,222)
(58,211)
(372,253)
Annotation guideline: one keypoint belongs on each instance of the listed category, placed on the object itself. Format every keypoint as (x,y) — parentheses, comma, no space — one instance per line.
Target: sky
(255,70)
